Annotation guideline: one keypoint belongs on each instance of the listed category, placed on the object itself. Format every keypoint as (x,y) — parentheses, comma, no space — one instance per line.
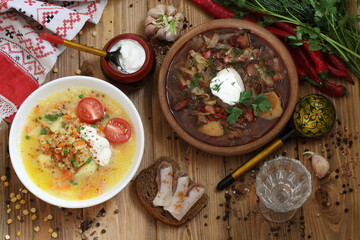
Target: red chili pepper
(219,115)
(335,72)
(288,27)
(338,63)
(249,20)
(214,9)
(321,67)
(211,118)
(307,72)
(278,32)
(304,61)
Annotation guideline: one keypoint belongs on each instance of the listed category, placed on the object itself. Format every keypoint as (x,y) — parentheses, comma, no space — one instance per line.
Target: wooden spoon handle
(80,47)
(228,180)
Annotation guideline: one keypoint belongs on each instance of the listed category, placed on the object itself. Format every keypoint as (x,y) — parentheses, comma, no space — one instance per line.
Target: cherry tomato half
(90,110)
(117,130)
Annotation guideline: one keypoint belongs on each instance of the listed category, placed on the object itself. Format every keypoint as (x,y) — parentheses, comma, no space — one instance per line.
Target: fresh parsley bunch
(327,25)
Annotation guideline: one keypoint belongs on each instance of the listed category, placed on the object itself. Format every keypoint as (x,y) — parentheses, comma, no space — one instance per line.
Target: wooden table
(125,218)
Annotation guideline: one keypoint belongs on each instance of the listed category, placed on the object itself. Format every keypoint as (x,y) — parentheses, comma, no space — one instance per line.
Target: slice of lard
(164,179)
(179,196)
(227,85)
(99,146)
(194,193)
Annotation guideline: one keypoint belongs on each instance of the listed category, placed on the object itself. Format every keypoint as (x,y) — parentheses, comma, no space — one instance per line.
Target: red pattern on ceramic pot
(136,78)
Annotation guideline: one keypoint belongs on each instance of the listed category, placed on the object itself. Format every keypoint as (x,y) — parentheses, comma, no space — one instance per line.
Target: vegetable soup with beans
(77,144)
(227,87)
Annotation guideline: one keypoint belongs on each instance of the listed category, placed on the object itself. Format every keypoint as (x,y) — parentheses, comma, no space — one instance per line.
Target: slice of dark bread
(147,189)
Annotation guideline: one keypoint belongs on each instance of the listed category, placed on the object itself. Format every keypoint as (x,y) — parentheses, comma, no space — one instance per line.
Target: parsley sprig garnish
(260,103)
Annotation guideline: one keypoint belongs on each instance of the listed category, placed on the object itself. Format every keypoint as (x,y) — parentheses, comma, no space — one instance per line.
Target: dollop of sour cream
(132,56)
(100,147)
(227,85)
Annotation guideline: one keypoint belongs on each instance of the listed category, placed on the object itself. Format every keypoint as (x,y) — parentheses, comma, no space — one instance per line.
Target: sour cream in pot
(100,147)
(132,56)
(227,85)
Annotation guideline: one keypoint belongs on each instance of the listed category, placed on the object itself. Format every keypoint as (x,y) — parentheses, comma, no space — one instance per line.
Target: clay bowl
(133,80)
(273,42)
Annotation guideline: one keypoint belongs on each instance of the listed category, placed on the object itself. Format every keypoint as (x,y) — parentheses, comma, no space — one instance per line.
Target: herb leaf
(72,182)
(246,97)
(196,80)
(235,113)
(261,103)
(43,131)
(53,117)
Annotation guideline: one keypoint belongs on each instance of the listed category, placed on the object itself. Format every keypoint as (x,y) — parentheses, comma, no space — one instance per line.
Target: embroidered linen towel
(25,58)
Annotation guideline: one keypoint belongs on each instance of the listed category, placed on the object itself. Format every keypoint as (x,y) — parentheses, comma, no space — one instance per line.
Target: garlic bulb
(164,22)
(320,164)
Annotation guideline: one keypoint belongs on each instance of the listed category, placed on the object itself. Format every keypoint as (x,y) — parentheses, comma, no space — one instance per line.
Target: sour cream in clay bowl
(216,84)
(76,142)
(137,58)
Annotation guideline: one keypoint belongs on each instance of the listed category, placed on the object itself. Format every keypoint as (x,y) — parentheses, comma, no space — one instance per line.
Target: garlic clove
(179,16)
(149,20)
(170,37)
(150,29)
(160,34)
(171,10)
(320,165)
(155,12)
(161,8)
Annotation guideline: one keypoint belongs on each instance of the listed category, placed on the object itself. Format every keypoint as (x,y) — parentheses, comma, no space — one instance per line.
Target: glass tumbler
(283,184)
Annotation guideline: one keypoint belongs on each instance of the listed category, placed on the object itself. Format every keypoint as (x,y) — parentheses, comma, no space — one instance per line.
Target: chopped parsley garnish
(27,137)
(82,138)
(63,124)
(40,118)
(75,164)
(235,113)
(72,182)
(269,73)
(89,160)
(196,80)
(260,103)
(105,116)
(81,96)
(93,125)
(48,142)
(66,151)
(53,117)
(73,160)
(237,51)
(43,131)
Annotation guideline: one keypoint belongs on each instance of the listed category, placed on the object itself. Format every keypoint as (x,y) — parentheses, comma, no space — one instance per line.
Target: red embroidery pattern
(24,59)
(74,17)
(37,50)
(47,16)
(3,4)
(30,2)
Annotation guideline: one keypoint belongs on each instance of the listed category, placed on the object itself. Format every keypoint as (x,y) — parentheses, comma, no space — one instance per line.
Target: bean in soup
(227,87)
